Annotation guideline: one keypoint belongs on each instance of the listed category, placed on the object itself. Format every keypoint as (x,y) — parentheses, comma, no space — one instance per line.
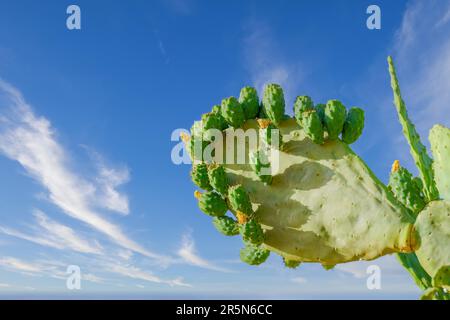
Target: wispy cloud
(264,61)
(14,264)
(55,235)
(31,141)
(299,280)
(189,254)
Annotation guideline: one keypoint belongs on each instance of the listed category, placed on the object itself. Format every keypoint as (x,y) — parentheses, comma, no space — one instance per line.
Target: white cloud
(31,141)
(14,264)
(189,254)
(53,234)
(389,266)
(299,280)
(4,285)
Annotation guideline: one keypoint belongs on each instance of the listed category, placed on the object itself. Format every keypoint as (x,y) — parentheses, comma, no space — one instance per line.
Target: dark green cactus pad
(313,126)
(406,190)
(353,126)
(301,105)
(259,162)
(216,110)
(199,175)
(252,232)
(254,255)
(273,103)
(291,264)
(226,225)
(211,121)
(232,112)
(334,118)
(218,179)
(249,100)
(239,200)
(212,204)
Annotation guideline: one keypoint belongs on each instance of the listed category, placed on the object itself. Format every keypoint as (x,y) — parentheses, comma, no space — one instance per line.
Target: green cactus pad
(239,200)
(252,232)
(216,110)
(226,225)
(334,118)
(266,135)
(432,227)
(312,125)
(273,103)
(211,121)
(232,112)
(324,204)
(249,100)
(440,146)
(199,175)
(353,125)
(258,163)
(291,264)
(218,179)
(254,255)
(212,204)
(442,278)
(406,189)
(196,147)
(301,105)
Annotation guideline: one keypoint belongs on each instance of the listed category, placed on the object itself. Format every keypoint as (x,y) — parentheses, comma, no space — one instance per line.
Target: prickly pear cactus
(300,191)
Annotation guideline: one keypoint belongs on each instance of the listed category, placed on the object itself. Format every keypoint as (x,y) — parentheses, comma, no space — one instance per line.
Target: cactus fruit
(273,103)
(406,189)
(334,118)
(239,200)
(291,264)
(321,203)
(249,100)
(226,225)
(199,175)
(312,126)
(212,204)
(254,255)
(218,179)
(252,232)
(232,112)
(353,125)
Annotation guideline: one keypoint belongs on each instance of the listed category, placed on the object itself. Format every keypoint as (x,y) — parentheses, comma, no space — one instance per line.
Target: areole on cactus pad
(301,192)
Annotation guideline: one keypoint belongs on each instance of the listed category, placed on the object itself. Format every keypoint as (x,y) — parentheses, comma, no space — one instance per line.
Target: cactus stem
(197,194)
(395,166)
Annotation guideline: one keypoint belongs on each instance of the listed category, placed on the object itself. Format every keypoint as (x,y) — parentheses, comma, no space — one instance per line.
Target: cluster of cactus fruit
(322,203)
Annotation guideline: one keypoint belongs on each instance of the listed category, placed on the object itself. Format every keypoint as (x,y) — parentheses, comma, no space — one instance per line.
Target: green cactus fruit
(254,255)
(328,266)
(301,105)
(216,110)
(232,112)
(199,175)
(252,232)
(442,278)
(211,121)
(226,225)
(273,103)
(259,162)
(334,118)
(291,264)
(440,146)
(313,126)
(218,178)
(212,204)
(239,200)
(353,125)
(266,135)
(405,188)
(320,109)
(249,100)
(196,147)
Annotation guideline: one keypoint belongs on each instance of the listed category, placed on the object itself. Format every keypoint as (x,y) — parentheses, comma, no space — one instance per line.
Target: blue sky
(86,117)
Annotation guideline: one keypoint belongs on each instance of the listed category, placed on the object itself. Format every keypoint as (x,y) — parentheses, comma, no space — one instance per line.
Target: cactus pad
(218,179)
(254,255)
(334,118)
(199,175)
(353,125)
(232,112)
(249,100)
(226,225)
(273,103)
(212,204)
(252,232)
(440,146)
